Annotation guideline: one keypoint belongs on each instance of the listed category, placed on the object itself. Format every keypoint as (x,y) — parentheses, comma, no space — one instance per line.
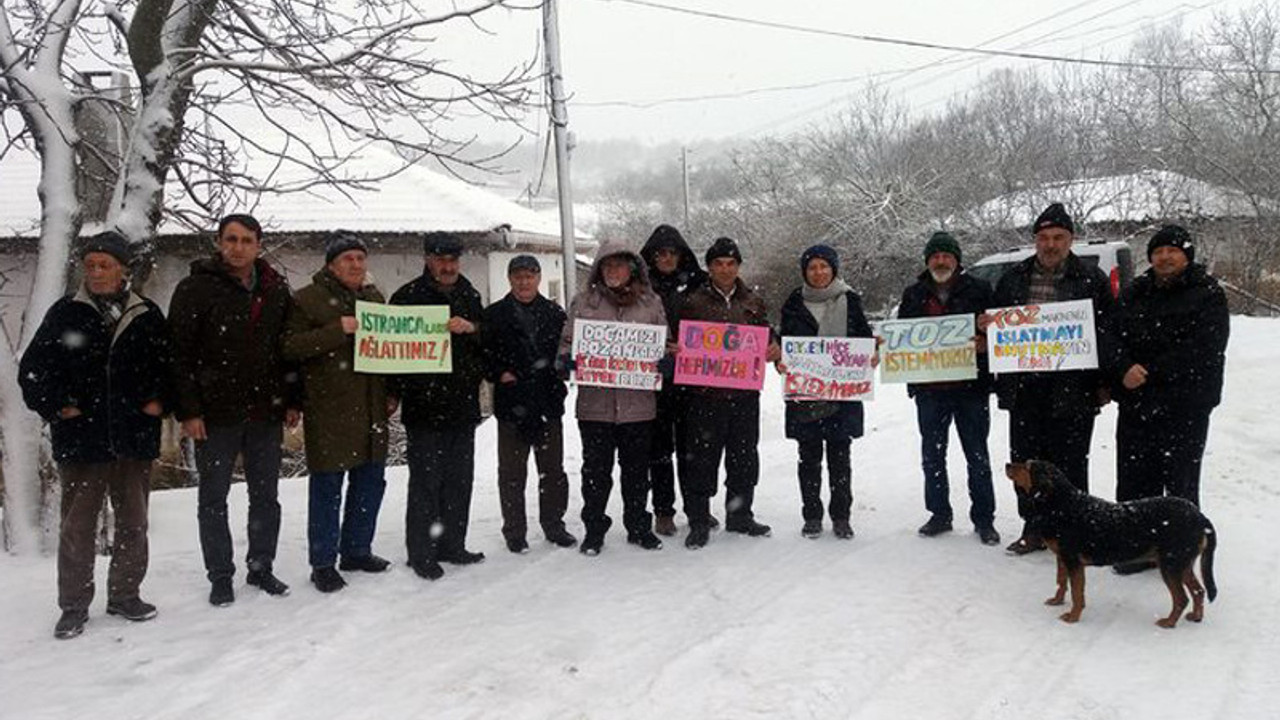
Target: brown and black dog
(1085,530)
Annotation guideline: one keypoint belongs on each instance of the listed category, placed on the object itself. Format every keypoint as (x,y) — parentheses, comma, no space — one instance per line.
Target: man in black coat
(521,339)
(673,272)
(99,372)
(1172,327)
(440,414)
(1051,414)
(235,393)
(942,289)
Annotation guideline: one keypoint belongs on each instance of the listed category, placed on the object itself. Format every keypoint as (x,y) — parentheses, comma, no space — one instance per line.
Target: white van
(1113,256)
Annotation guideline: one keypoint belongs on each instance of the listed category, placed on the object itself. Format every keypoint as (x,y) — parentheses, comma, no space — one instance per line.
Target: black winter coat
(523,339)
(1178,332)
(969,296)
(802,417)
(109,372)
(229,368)
(444,401)
(1069,393)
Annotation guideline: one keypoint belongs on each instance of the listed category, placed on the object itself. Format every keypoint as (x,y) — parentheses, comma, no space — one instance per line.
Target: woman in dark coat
(824,306)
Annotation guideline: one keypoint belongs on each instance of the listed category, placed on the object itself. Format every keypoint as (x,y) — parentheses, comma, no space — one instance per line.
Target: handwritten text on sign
(930,349)
(828,368)
(723,355)
(1043,338)
(402,338)
(618,354)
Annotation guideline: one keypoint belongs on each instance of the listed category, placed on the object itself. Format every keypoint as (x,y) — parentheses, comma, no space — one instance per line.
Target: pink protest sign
(721,355)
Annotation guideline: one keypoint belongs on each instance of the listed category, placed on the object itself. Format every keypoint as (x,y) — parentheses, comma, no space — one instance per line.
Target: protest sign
(399,339)
(928,349)
(618,354)
(1043,338)
(828,368)
(724,355)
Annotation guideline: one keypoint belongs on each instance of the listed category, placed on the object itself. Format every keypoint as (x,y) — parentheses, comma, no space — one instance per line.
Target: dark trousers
(513,466)
(971,411)
(441,476)
(600,441)
(1063,441)
(839,472)
(84,485)
(667,437)
(259,443)
(1159,452)
(716,426)
(353,537)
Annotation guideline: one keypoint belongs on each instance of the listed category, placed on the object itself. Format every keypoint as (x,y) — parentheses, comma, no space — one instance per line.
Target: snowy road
(887,626)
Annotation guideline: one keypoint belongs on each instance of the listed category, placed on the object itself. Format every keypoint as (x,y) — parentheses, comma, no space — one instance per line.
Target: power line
(937,46)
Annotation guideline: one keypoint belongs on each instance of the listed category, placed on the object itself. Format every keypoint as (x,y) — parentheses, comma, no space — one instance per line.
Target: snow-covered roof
(1139,197)
(414,200)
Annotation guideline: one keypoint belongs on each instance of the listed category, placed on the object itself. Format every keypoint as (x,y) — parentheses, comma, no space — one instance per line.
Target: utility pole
(560,122)
(684,174)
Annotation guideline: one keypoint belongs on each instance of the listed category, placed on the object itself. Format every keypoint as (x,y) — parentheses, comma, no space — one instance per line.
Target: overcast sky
(616,51)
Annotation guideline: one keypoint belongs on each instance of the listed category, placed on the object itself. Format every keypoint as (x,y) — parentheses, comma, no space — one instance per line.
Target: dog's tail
(1206,558)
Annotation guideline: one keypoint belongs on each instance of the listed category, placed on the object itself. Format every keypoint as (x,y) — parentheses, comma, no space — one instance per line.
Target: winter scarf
(829,306)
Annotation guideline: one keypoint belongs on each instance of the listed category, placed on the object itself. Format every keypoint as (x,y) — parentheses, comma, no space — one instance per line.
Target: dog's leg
(1076,575)
(1192,583)
(1061,593)
(1173,580)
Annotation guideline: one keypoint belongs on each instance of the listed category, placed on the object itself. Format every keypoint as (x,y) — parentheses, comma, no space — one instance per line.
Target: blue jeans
(972,414)
(354,537)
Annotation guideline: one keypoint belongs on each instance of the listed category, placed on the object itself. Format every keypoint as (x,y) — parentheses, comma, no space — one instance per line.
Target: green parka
(344,412)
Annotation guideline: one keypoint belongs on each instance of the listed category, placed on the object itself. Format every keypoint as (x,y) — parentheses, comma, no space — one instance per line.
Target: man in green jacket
(344,414)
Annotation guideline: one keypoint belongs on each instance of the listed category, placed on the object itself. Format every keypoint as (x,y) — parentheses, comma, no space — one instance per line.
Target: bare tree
(301,82)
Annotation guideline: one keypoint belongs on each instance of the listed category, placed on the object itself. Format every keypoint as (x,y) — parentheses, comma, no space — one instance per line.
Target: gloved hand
(667,366)
(565,365)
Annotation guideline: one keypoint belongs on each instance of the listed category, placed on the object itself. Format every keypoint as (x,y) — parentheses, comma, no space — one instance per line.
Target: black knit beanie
(724,247)
(340,241)
(1054,216)
(1172,236)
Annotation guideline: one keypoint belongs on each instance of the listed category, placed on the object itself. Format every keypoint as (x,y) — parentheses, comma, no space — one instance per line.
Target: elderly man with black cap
(943,289)
(722,421)
(440,414)
(344,414)
(1051,414)
(1172,327)
(98,371)
(521,341)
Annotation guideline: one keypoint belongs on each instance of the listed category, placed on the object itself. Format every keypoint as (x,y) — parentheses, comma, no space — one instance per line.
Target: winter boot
(592,544)
(134,609)
(812,529)
(645,539)
(427,569)
(988,535)
(697,537)
(71,624)
(267,582)
(747,526)
(664,525)
(222,593)
(561,538)
(519,546)
(365,563)
(462,557)
(842,529)
(327,579)
(936,526)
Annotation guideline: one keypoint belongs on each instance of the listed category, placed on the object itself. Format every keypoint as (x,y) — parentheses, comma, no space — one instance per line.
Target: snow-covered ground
(889,625)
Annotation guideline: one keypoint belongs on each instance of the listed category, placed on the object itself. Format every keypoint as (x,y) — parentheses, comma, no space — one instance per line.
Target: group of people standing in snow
(241,357)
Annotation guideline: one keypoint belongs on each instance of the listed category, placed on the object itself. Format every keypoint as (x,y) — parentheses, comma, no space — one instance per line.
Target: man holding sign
(723,420)
(440,415)
(942,290)
(1051,413)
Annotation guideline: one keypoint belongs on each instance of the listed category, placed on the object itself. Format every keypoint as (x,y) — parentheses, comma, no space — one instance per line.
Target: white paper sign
(1043,338)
